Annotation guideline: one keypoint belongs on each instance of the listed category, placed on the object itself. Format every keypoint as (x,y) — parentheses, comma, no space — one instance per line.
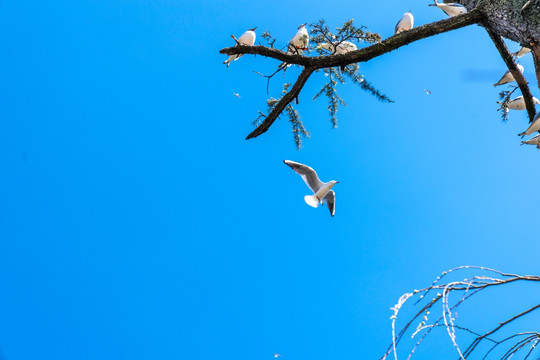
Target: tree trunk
(507,19)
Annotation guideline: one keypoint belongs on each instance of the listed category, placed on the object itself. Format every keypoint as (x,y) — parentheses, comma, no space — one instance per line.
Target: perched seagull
(342,48)
(533,141)
(519,103)
(323,191)
(524,50)
(247,38)
(535,126)
(405,23)
(299,41)
(508,77)
(297,44)
(450,9)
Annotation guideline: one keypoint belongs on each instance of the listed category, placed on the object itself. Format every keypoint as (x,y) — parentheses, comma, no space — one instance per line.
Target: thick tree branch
(367,53)
(520,79)
(280,106)
(536,58)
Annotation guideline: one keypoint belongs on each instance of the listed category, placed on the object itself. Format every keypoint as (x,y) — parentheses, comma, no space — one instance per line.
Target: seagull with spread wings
(323,192)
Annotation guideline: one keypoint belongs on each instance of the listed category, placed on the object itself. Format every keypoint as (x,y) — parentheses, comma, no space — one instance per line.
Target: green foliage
(320,33)
(298,129)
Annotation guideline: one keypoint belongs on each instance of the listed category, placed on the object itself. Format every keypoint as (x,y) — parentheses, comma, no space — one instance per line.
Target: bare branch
(282,104)
(520,79)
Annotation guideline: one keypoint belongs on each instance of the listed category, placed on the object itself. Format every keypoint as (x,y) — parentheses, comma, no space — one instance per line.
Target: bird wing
(398,25)
(330,200)
(308,174)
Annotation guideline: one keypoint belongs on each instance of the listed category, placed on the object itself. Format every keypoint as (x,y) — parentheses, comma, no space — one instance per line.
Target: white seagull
(535,126)
(508,77)
(299,41)
(533,141)
(450,9)
(342,48)
(247,38)
(524,50)
(405,23)
(323,191)
(518,103)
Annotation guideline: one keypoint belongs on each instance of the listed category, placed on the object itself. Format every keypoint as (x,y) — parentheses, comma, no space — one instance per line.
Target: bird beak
(254,28)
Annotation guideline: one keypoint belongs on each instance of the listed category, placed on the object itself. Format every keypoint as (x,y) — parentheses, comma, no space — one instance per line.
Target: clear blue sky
(137,223)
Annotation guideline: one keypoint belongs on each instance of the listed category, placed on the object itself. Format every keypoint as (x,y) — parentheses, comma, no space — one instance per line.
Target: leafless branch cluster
(443,294)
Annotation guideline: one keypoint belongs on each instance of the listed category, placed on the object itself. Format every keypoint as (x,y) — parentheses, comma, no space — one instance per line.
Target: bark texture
(507,19)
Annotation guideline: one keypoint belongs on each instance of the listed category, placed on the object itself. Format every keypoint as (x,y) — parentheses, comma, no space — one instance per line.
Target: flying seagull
(508,77)
(524,50)
(405,23)
(342,48)
(323,191)
(518,103)
(533,141)
(247,38)
(450,9)
(535,126)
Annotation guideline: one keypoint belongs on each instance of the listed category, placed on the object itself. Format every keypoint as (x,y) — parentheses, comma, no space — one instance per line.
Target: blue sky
(136,222)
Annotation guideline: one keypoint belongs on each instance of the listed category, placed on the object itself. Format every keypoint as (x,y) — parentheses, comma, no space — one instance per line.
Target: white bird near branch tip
(518,103)
(323,191)
(535,126)
(450,9)
(247,38)
(508,77)
(524,50)
(405,23)
(533,141)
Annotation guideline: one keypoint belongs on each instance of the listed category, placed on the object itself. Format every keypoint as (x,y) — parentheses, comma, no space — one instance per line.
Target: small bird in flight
(323,191)
(237,95)
(508,77)
(450,9)
(247,38)
(405,23)
(427,92)
(277,355)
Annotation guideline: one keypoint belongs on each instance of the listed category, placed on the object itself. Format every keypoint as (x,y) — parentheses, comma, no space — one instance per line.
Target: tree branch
(367,53)
(282,104)
(520,79)
(536,58)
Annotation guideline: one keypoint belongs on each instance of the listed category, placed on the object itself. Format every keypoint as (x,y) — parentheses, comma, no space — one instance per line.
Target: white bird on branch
(533,141)
(518,103)
(450,9)
(323,191)
(524,50)
(247,38)
(342,48)
(405,23)
(535,126)
(299,41)
(508,77)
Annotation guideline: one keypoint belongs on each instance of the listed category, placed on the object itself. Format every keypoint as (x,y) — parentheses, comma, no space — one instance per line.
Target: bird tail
(522,134)
(436,3)
(312,200)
